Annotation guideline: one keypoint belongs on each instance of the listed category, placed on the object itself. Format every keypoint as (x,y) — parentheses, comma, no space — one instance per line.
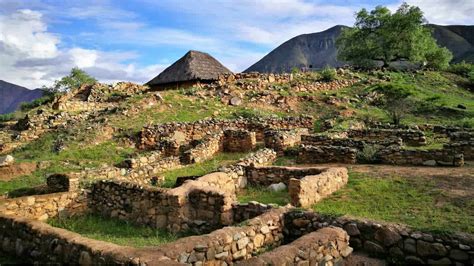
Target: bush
(368,154)
(328,74)
(38,102)
(6,117)
(463,68)
(471,77)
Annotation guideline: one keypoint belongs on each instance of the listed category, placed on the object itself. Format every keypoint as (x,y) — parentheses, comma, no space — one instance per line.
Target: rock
(277,187)
(258,240)
(374,249)
(388,236)
(426,249)
(85,258)
(458,254)
(347,251)
(412,260)
(460,106)
(443,261)
(235,101)
(351,229)
(6,160)
(429,163)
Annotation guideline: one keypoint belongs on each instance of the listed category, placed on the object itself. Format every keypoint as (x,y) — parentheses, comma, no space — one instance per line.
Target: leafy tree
(328,74)
(75,79)
(379,35)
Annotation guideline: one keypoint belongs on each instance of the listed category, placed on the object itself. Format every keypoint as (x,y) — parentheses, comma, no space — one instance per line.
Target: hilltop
(11,96)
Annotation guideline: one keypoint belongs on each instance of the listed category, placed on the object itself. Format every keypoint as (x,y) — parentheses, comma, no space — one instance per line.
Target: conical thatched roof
(194,65)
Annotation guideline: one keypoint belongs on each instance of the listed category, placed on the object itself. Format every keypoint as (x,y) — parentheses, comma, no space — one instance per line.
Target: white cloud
(31,56)
(446,11)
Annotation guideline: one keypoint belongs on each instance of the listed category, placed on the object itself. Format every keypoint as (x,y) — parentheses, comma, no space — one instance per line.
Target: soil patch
(18,169)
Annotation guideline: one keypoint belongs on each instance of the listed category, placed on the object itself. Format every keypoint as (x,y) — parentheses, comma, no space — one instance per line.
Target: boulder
(235,101)
(6,160)
(277,187)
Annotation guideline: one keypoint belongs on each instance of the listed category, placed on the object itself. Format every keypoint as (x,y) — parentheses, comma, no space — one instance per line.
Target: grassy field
(203,168)
(114,231)
(414,202)
(263,195)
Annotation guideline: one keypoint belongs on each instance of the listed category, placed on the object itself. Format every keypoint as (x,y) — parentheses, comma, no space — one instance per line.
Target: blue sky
(41,40)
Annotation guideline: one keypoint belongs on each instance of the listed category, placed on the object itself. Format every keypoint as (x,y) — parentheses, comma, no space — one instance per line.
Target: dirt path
(18,169)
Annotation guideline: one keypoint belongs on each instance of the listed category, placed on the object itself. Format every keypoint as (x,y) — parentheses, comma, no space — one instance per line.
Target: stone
(6,160)
(264,230)
(242,243)
(351,229)
(277,187)
(458,254)
(443,261)
(347,251)
(240,254)
(235,101)
(426,249)
(258,240)
(387,235)
(429,163)
(410,245)
(85,258)
(222,255)
(413,260)
(374,248)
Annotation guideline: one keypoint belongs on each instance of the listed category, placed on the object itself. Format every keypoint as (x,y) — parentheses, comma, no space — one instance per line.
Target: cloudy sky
(41,40)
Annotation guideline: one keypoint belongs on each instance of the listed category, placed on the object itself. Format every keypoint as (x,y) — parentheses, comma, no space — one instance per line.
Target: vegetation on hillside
(379,35)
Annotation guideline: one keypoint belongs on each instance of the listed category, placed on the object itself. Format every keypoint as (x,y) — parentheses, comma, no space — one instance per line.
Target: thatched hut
(193,68)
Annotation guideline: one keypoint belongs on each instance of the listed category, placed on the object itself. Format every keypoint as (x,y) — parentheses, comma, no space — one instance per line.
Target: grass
(263,195)
(203,168)
(114,231)
(414,202)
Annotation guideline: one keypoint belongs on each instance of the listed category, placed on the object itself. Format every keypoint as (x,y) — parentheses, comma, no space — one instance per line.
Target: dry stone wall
(306,191)
(409,136)
(239,140)
(325,140)
(43,207)
(326,154)
(466,148)
(150,136)
(208,147)
(399,156)
(327,246)
(267,175)
(396,243)
(280,140)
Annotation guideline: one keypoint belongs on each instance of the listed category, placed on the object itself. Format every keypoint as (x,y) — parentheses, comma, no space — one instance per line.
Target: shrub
(462,68)
(38,102)
(471,77)
(6,117)
(368,154)
(328,74)
(396,101)
(295,70)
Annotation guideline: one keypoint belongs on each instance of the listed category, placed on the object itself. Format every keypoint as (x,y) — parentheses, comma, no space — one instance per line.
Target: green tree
(76,78)
(396,100)
(379,35)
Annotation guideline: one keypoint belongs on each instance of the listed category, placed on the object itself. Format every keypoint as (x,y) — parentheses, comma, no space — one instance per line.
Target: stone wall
(209,146)
(245,211)
(324,140)
(62,183)
(280,140)
(267,175)
(174,209)
(396,243)
(399,156)
(150,136)
(306,191)
(409,136)
(461,136)
(239,140)
(326,154)
(238,170)
(327,246)
(42,207)
(464,147)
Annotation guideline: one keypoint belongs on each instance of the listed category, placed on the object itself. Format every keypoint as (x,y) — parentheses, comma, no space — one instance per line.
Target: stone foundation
(267,175)
(409,136)
(280,140)
(239,141)
(327,246)
(326,154)
(398,156)
(324,140)
(396,243)
(306,191)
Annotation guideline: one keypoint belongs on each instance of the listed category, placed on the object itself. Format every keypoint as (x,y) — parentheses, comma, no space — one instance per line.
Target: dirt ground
(18,169)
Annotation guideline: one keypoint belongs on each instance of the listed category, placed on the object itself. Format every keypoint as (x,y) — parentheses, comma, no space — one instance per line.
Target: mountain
(316,50)
(11,96)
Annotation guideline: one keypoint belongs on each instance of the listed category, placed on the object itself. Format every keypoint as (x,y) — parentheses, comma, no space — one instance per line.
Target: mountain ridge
(12,95)
(316,50)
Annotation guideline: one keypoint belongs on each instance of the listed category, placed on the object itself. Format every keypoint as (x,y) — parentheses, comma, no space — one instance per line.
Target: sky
(134,40)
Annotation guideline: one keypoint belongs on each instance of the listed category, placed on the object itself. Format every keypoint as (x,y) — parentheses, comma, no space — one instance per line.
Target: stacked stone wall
(409,136)
(62,183)
(306,191)
(267,175)
(245,211)
(43,207)
(151,135)
(280,140)
(442,157)
(327,246)
(461,147)
(324,140)
(208,147)
(396,243)
(239,140)
(326,154)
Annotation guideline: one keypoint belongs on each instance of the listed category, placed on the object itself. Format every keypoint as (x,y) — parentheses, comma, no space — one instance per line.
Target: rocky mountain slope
(11,96)
(316,50)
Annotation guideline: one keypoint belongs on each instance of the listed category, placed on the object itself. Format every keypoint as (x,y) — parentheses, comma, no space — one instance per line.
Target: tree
(75,79)
(379,35)
(396,100)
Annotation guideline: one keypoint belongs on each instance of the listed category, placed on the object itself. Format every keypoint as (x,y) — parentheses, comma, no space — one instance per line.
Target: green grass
(414,202)
(114,231)
(203,168)
(263,195)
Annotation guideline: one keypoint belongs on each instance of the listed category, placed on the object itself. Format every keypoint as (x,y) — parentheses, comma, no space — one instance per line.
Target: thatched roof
(194,65)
